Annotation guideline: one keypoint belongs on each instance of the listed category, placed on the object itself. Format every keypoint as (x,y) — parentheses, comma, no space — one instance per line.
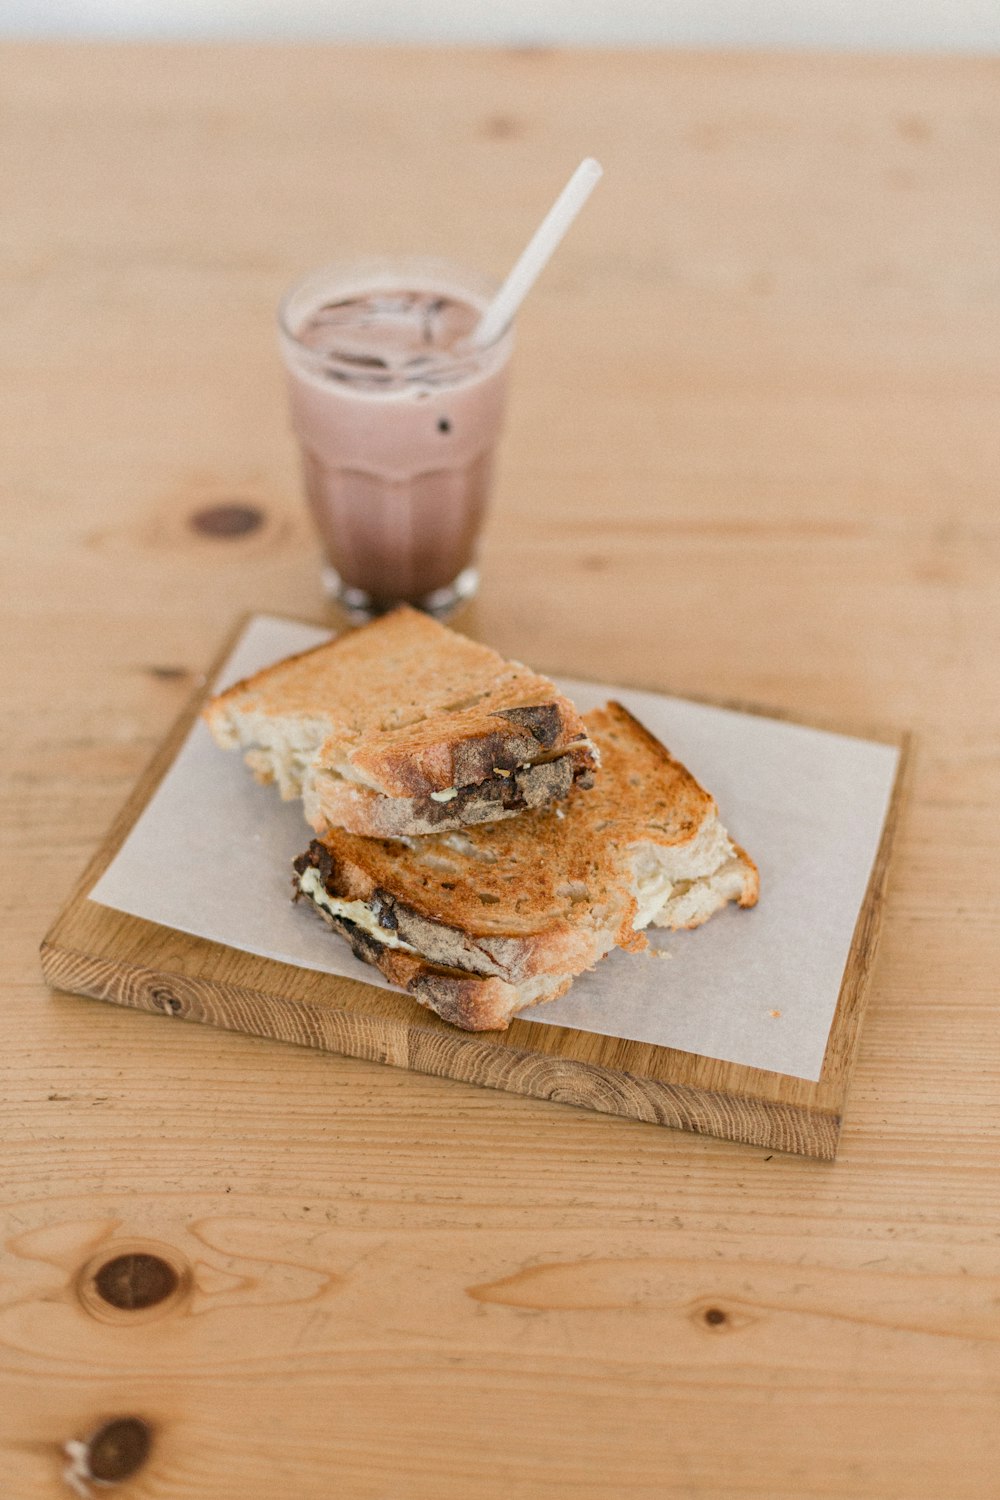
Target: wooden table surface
(752,453)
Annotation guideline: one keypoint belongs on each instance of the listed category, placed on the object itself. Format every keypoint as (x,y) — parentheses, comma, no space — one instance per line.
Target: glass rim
(435,272)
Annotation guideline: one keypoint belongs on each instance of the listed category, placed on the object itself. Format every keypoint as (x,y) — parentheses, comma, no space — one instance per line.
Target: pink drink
(397,418)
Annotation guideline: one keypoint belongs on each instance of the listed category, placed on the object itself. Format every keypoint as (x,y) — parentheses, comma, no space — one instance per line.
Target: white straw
(537,252)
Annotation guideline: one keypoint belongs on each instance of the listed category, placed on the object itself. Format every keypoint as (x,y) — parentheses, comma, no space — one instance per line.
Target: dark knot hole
(228,519)
(119,1449)
(136,1279)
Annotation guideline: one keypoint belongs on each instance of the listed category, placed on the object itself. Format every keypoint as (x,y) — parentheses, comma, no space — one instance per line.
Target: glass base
(360,606)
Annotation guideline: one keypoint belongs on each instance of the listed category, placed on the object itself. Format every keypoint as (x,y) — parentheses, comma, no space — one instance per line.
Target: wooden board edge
(859,970)
(200,959)
(447,1053)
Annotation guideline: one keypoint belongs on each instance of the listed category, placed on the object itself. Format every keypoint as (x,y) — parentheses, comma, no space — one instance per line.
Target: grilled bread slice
(404,728)
(480,923)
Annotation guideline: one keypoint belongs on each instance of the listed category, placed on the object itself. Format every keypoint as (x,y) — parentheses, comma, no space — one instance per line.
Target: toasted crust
(404,709)
(750,894)
(530,904)
(526,878)
(501,732)
(465,1000)
(563,947)
(336,803)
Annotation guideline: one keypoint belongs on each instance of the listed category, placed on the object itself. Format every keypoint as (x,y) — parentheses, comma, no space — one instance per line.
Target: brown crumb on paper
(775,1015)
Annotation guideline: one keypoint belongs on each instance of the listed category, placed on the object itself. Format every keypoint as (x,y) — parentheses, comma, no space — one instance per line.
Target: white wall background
(863,25)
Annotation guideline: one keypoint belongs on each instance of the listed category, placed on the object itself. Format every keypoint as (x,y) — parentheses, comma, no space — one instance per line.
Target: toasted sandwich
(404,728)
(477,924)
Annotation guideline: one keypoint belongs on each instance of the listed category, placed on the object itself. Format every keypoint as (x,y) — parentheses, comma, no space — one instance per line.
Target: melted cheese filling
(358,912)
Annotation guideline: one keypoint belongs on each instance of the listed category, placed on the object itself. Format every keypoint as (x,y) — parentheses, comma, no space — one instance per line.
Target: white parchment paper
(211,855)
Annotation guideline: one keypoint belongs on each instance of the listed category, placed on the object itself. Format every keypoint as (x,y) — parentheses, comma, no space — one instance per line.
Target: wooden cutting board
(94,950)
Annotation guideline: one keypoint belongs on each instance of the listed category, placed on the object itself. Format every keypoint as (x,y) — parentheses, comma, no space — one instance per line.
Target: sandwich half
(403,728)
(478,924)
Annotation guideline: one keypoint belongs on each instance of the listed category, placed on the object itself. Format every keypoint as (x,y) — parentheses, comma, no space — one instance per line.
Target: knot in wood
(228,519)
(118,1450)
(135,1280)
(166,1001)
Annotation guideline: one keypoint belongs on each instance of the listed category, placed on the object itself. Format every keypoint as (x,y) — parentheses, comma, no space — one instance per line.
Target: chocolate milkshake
(397,416)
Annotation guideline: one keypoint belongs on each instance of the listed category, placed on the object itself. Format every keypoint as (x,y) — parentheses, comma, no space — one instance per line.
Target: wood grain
(751,454)
(94,950)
